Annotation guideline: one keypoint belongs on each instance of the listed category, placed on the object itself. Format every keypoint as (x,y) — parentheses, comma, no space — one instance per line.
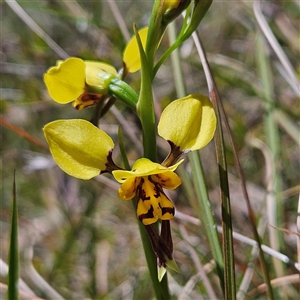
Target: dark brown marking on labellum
(157,187)
(170,210)
(148,215)
(141,192)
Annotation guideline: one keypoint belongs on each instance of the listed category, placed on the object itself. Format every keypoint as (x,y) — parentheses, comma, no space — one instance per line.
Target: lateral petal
(79,148)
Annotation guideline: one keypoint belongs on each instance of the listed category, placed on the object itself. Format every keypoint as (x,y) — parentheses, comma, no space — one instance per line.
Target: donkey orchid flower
(85,82)
(147,180)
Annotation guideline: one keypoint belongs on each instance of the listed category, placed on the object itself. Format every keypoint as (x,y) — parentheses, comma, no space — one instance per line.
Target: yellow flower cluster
(84,151)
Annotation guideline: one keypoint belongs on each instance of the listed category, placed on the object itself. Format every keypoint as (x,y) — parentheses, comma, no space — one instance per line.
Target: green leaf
(205,213)
(13,273)
(202,206)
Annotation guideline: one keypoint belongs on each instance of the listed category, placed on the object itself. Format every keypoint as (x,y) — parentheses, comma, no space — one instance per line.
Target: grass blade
(228,253)
(13,272)
(214,94)
(273,140)
(204,213)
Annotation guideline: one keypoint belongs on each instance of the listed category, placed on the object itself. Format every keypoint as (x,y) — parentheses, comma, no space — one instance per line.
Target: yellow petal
(188,122)
(167,208)
(66,81)
(79,148)
(131,54)
(98,73)
(143,167)
(168,180)
(128,188)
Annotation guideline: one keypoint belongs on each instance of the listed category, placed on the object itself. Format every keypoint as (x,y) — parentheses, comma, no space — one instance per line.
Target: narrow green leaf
(274,185)
(155,32)
(228,253)
(204,213)
(273,141)
(227,239)
(13,273)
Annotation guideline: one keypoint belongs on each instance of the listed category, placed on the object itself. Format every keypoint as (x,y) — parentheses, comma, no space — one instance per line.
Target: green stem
(145,109)
(228,253)
(145,106)
(155,32)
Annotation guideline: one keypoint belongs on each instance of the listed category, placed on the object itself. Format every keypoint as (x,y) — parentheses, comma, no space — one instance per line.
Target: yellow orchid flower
(85,82)
(147,180)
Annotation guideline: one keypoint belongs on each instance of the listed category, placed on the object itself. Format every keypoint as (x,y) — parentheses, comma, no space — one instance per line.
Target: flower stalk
(145,106)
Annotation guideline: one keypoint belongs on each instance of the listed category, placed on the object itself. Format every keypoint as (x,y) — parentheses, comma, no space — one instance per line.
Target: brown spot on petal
(148,215)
